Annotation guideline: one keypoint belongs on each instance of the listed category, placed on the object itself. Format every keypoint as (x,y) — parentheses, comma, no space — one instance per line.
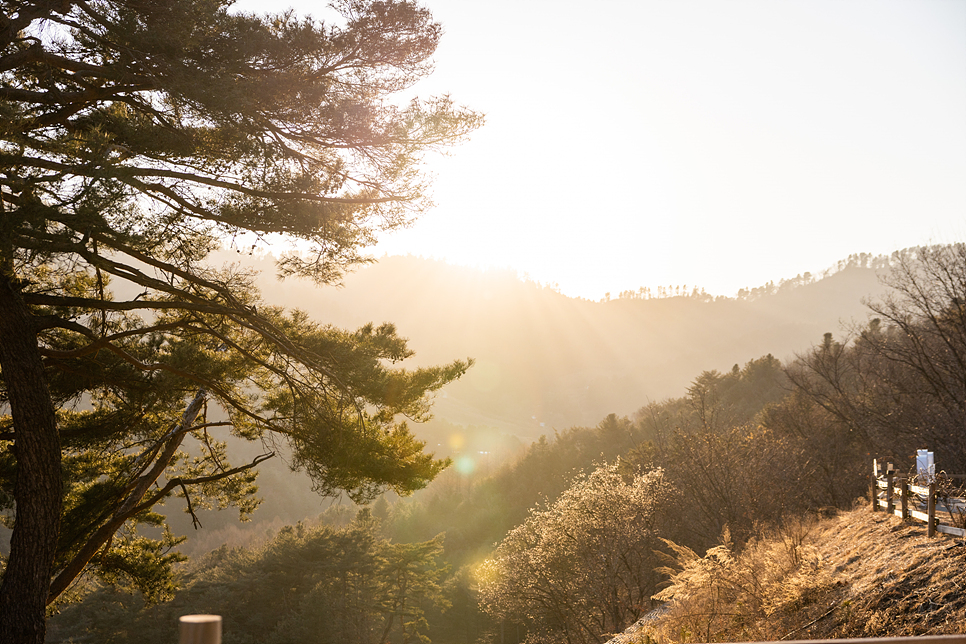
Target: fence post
(199,629)
(875,485)
(931,510)
(890,505)
(904,500)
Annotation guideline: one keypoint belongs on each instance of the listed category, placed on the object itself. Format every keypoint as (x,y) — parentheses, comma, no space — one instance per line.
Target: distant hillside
(544,360)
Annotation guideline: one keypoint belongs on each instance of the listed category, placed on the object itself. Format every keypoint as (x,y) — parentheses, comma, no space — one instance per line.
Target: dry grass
(857,574)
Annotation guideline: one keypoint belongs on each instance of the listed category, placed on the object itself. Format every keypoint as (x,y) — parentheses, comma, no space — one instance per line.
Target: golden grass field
(853,574)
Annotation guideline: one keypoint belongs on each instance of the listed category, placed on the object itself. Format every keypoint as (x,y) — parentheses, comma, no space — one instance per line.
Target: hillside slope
(545,360)
(859,574)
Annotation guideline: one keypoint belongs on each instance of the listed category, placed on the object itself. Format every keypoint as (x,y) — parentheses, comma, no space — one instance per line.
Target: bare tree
(900,382)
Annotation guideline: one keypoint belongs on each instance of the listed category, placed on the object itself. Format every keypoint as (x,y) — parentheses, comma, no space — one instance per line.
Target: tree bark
(37,486)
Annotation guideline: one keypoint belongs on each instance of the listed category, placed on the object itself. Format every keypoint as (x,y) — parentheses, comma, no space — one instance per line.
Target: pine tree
(135,137)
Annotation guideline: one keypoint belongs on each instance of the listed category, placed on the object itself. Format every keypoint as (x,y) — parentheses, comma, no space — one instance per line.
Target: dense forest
(565,542)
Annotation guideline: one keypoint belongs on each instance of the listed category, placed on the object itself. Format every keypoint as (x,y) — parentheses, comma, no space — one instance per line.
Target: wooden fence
(909,497)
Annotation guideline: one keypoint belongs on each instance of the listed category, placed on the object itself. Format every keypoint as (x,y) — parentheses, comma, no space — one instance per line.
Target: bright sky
(717,143)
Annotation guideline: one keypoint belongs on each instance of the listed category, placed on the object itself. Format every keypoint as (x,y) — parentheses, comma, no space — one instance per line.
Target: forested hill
(544,360)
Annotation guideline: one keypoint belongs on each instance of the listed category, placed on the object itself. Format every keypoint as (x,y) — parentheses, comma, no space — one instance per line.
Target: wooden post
(931,510)
(890,504)
(904,498)
(199,629)
(875,485)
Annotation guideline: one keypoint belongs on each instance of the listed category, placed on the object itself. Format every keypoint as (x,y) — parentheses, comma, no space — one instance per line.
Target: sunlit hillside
(857,574)
(546,361)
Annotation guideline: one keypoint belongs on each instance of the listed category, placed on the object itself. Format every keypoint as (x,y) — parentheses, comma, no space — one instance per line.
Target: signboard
(925,467)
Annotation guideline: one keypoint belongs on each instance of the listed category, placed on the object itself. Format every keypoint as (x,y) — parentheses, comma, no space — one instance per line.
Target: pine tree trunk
(37,488)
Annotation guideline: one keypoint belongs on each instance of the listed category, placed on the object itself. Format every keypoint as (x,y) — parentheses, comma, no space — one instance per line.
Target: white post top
(199,629)
(925,466)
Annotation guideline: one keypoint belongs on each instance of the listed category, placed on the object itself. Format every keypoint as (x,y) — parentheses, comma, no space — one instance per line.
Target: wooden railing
(908,498)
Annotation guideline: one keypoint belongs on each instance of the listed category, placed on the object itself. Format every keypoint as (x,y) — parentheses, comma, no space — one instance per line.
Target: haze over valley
(546,361)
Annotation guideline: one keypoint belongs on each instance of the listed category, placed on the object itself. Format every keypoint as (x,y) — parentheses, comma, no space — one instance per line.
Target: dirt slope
(896,581)
(871,575)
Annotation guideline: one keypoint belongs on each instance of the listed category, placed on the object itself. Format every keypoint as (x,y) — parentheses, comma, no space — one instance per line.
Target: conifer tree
(135,137)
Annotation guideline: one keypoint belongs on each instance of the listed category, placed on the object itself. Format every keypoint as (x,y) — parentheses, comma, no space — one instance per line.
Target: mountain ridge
(544,359)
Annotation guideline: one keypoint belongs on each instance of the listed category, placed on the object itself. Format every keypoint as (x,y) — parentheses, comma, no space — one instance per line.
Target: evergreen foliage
(135,138)
(319,584)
